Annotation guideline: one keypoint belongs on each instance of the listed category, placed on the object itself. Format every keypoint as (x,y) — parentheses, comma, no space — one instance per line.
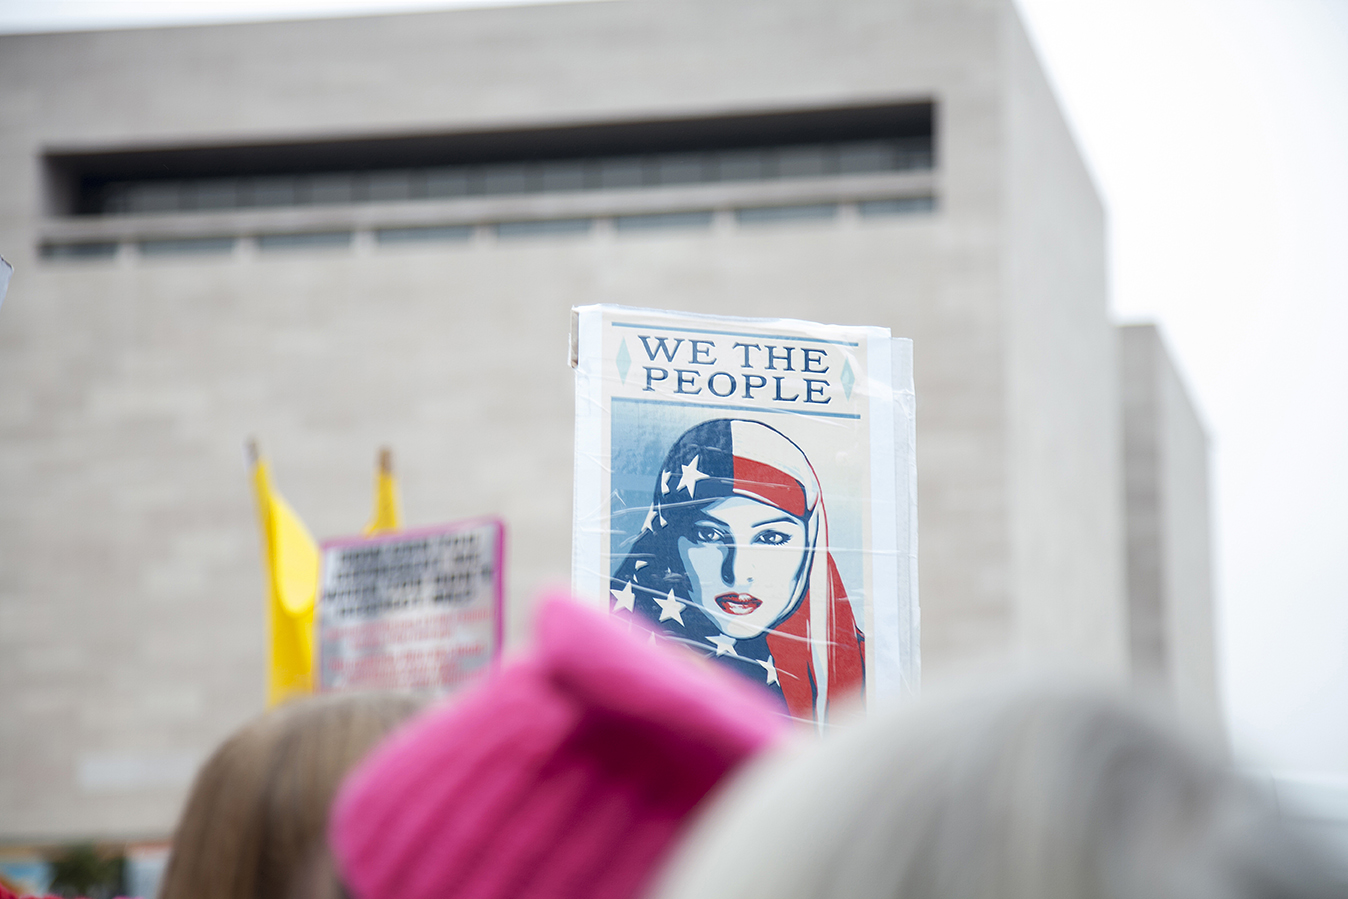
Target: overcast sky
(1218,134)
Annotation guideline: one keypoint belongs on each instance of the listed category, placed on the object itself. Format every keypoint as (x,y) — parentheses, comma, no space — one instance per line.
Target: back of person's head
(1025,794)
(253,826)
(569,774)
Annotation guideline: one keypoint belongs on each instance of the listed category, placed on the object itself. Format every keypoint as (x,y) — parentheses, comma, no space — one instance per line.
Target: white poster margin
(909,609)
(588,583)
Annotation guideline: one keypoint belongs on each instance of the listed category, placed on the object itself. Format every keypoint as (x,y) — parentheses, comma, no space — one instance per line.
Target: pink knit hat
(568,774)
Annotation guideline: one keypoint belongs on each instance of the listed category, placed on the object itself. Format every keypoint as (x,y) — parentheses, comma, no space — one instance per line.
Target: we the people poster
(744,487)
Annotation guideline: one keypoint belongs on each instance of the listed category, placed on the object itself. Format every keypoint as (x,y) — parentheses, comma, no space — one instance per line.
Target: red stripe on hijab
(773,485)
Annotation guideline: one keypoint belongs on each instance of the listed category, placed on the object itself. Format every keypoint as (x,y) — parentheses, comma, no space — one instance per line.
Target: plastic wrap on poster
(746,487)
(418,609)
(6,272)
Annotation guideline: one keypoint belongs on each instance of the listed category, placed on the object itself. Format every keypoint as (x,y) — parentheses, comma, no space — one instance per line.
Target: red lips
(738,603)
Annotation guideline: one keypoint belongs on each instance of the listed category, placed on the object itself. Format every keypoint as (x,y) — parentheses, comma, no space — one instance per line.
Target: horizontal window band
(304,240)
(161,197)
(419,234)
(696,219)
(185,245)
(898,206)
(755,215)
(662,220)
(543,228)
(79,250)
(123,198)
(781,144)
(472,211)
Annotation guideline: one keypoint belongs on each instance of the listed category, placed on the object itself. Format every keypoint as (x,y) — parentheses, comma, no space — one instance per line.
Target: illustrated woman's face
(745,561)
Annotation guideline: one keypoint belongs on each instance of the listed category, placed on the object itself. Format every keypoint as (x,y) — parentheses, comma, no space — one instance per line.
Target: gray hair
(1028,794)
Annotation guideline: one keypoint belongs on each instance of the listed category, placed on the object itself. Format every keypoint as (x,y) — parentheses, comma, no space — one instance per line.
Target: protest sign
(419,609)
(746,488)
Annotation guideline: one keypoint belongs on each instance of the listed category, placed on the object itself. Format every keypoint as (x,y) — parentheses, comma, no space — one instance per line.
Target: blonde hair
(1027,794)
(253,826)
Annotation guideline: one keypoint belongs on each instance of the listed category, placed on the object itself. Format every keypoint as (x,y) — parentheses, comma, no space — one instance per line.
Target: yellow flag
(292,569)
(387,509)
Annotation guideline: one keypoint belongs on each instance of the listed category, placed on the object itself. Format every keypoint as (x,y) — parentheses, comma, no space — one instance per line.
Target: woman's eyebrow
(708,519)
(787,518)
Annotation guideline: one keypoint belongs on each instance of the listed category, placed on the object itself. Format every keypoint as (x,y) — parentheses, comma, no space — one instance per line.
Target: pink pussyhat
(568,774)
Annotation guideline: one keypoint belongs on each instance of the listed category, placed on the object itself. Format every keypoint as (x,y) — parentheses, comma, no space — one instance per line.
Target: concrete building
(1171,633)
(343,233)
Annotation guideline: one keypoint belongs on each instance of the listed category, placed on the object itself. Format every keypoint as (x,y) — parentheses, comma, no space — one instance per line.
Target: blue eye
(772,538)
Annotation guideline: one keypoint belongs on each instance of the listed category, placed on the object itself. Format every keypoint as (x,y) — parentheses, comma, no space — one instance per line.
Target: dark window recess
(900,206)
(659,220)
(422,234)
(175,246)
(545,228)
(83,250)
(615,156)
(304,240)
(755,215)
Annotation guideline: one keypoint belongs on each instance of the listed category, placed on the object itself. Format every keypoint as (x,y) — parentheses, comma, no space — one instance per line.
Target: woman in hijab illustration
(733,559)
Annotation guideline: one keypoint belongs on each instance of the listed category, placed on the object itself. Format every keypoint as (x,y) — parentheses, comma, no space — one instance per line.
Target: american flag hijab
(812,655)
